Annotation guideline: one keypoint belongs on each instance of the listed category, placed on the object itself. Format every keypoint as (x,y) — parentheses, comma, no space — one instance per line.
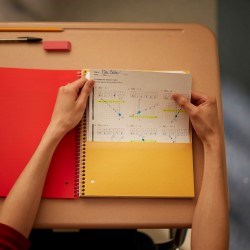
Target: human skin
(20,207)
(210,225)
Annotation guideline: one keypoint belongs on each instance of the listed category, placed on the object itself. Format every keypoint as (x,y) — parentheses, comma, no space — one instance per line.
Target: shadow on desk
(110,239)
(119,239)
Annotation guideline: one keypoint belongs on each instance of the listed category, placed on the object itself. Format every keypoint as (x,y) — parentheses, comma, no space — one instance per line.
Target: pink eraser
(57,45)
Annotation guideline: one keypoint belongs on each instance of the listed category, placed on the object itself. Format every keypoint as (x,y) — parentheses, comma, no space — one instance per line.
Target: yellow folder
(137,170)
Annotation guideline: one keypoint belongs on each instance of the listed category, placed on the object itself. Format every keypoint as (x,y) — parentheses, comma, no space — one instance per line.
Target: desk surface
(131,46)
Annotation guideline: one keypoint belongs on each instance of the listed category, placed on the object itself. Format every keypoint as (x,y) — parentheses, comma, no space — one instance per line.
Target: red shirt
(10,239)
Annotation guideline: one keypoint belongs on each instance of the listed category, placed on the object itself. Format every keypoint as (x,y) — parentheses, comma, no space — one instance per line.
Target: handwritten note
(136,106)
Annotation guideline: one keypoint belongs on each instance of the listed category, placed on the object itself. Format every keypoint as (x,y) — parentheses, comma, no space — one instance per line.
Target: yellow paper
(138,169)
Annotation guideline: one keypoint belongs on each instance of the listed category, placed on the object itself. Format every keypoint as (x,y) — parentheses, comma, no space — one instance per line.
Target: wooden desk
(129,46)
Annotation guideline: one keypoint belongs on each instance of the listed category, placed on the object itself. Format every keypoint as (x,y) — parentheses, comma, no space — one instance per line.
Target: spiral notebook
(121,148)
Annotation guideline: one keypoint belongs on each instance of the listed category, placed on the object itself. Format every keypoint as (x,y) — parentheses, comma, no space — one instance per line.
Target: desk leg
(177,239)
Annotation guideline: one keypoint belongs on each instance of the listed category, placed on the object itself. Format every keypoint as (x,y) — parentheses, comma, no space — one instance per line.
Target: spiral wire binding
(82,154)
(81,134)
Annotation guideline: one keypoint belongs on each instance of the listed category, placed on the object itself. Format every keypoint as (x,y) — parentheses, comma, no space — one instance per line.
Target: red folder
(27,98)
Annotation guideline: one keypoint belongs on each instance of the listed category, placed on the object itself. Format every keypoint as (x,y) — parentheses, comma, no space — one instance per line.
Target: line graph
(110,102)
(144,110)
(129,109)
(111,109)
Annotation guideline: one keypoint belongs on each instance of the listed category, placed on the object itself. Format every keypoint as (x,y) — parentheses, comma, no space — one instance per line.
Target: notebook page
(136,106)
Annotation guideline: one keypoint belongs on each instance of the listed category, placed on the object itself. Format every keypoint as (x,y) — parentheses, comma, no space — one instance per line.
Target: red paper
(27,98)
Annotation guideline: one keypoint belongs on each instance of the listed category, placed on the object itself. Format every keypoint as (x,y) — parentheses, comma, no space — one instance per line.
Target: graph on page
(130,106)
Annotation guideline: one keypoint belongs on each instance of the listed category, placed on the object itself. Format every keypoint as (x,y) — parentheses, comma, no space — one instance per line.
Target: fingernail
(91,83)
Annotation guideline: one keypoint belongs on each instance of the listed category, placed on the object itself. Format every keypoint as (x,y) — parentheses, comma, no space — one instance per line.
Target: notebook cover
(27,98)
(138,170)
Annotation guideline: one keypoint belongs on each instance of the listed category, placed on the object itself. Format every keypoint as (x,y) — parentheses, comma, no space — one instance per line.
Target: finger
(79,83)
(85,92)
(198,98)
(183,102)
(198,95)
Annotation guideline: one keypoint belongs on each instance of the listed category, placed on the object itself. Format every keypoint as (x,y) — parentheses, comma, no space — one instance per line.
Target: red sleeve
(12,239)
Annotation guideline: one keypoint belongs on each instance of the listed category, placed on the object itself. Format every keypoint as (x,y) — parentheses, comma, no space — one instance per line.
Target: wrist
(53,134)
(213,144)
(212,137)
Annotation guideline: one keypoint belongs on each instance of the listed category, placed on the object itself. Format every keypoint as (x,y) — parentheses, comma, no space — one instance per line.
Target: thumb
(85,92)
(183,102)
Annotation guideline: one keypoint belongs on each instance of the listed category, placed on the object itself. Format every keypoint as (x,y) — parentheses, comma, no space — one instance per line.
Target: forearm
(21,205)
(210,227)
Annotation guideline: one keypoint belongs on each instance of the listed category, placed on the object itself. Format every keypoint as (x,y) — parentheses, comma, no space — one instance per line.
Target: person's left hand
(70,105)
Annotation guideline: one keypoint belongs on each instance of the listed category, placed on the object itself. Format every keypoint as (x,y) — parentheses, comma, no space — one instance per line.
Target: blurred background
(230,21)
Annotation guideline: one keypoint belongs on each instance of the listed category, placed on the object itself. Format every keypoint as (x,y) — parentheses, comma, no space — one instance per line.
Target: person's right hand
(203,114)
(70,105)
